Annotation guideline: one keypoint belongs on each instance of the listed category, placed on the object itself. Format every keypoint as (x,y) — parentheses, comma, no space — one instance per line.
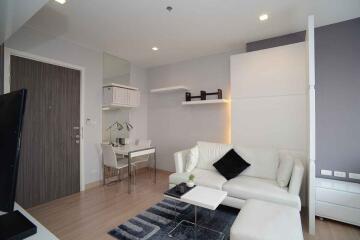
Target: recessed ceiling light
(61,1)
(263,17)
(169,8)
(155,48)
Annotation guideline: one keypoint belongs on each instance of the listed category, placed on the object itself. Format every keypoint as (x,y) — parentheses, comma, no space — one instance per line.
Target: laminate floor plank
(92,213)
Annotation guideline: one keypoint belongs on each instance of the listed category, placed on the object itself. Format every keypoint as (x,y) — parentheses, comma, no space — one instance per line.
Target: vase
(190,184)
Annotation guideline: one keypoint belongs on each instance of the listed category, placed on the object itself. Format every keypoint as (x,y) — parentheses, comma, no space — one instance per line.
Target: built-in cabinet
(117,96)
(338,200)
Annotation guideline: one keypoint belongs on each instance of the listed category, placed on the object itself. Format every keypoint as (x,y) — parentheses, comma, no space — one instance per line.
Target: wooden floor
(90,214)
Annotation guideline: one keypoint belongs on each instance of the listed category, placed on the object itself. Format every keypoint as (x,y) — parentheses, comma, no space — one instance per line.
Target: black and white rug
(156,222)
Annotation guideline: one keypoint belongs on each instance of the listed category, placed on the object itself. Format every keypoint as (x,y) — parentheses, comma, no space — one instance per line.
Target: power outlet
(339,174)
(354,176)
(326,172)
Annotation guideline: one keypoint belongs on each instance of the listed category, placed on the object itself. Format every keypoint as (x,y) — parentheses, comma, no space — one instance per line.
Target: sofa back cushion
(209,153)
(286,165)
(192,159)
(264,161)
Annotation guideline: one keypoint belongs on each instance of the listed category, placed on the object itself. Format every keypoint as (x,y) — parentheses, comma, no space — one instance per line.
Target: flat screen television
(12,108)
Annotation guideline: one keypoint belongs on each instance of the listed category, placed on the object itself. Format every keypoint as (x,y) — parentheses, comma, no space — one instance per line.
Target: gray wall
(337,52)
(172,126)
(276,41)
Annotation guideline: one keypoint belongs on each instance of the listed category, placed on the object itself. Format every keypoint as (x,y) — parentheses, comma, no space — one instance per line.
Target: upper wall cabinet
(116,96)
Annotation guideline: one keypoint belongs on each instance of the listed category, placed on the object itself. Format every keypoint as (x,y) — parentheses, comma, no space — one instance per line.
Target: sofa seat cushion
(203,177)
(245,187)
(259,220)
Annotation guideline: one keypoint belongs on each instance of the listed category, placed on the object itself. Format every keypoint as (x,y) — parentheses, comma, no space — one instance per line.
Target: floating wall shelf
(169,89)
(120,86)
(115,107)
(205,102)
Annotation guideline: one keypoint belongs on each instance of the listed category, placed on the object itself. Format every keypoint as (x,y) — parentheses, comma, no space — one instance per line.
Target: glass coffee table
(199,196)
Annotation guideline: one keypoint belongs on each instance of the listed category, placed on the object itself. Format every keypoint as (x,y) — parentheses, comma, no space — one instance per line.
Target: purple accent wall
(337,58)
(337,53)
(276,41)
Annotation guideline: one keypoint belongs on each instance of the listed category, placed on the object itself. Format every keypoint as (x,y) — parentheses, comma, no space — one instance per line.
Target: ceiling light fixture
(155,48)
(61,1)
(263,17)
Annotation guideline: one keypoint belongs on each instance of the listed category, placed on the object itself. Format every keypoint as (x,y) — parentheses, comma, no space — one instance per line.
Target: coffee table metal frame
(195,223)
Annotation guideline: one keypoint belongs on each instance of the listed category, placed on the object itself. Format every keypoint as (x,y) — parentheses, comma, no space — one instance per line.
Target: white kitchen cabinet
(118,96)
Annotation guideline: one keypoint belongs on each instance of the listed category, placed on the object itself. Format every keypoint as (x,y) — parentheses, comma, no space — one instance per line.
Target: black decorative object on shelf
(203,95)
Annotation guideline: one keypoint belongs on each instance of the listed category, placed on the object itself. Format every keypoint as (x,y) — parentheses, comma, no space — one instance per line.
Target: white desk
(42,232)
(131,151)
(125,149)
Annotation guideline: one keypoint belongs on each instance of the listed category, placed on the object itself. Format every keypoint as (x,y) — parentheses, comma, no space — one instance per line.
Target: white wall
(269,96)
(174,127)
(115,70)
(269,100)
(37,43)
(138,117)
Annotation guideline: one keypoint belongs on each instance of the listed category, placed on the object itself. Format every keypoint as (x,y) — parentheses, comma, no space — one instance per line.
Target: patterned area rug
(156,222)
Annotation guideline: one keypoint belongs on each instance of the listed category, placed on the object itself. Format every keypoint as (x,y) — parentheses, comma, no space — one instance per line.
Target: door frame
(9,52)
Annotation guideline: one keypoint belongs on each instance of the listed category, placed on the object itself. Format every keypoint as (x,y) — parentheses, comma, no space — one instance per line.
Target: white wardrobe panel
(272,121)
(270,72)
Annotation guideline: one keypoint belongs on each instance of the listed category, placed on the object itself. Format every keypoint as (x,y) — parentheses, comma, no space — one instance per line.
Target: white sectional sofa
(261,181)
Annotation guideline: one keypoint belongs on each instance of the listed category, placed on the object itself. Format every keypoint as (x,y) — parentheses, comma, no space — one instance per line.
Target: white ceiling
(129,28)
(14,13)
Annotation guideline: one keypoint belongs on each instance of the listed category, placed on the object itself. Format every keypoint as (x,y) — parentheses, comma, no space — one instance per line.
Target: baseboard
(93,184)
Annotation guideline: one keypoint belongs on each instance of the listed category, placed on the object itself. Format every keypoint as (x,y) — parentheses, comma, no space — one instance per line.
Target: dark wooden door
(50,156)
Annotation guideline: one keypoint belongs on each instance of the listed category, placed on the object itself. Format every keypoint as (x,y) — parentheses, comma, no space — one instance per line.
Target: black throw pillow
(231,165)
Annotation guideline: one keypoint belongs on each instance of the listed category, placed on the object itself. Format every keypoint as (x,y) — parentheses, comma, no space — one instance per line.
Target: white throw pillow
(285,169)
(264,162)
(192,159)
(209,153)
